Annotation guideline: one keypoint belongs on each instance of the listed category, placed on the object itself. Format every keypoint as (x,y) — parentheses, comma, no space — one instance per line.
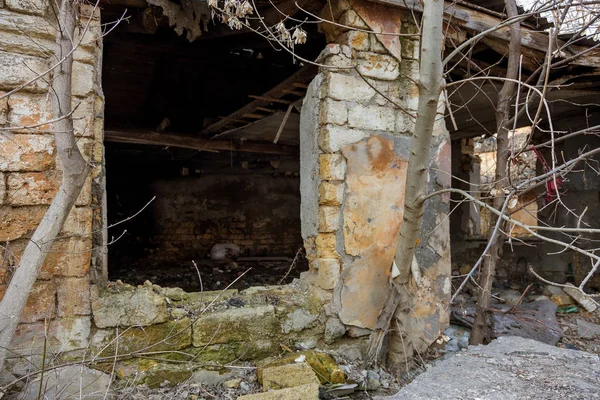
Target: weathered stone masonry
(30,172)
(354,151)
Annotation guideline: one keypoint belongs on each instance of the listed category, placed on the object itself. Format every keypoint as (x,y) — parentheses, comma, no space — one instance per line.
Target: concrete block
(351,19)
(34,25)
(40,303)
(356,39)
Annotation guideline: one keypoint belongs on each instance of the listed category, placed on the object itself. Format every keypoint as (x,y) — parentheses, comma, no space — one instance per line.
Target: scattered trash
(300,359)
(567,309)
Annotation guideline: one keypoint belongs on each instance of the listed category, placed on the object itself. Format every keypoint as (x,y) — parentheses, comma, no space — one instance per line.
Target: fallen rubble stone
(509,368)
(581,298)
(587,330)
(304,392)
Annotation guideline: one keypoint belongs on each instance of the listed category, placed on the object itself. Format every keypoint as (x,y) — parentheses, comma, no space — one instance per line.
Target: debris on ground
(508,368)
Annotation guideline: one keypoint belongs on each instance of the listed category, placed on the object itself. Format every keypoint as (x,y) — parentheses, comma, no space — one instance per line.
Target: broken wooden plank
(270,99)
(194,142)
(253,116)
(300,85)
(303,75)
(294,92)
(265,109)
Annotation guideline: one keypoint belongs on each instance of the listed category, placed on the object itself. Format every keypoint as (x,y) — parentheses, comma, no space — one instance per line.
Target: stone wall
(356,126)
(30,173)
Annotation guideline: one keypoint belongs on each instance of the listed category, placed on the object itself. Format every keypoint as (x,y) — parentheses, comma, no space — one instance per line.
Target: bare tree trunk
(486,279)
(430,86)
(75,170)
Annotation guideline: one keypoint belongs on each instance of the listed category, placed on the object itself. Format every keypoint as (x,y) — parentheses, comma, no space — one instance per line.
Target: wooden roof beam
(534,43)
(194,142)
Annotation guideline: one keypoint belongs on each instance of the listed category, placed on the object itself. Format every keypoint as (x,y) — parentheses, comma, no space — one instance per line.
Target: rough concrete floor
(509,368)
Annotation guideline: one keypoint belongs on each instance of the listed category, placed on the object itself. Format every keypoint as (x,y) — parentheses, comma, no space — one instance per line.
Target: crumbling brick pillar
(355,134)
(30,171)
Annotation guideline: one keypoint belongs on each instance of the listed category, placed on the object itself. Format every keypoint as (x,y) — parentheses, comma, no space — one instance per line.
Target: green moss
(323,364)
(160,373)
(172,335)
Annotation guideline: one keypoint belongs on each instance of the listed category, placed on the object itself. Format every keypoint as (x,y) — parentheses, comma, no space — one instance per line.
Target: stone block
(332,167)
(17,69)
(351,19)
(122,305)
(372,118)
(70,382)
(2,188)
(68,258)
(288,376)
(333,112)
(299,320)
(404,123)
(168,336)
(329,218)
(32,188)
(333,137)
(83,79)
(64,334)
(19,222)
(36,7)
(28,109)
(34,25)
(26,152)
(304,392)
(326,245)
(356,39)
(3,108)
(348,88)
(328,274)
(40,303)
(83,116)
(73,296)
(333,329)
(235,325)
(331,193)
(378,66)
(79,222)
(20,43)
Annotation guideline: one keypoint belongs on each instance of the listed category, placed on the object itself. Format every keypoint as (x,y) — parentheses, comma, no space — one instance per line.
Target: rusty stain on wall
(380,19)
(371,220)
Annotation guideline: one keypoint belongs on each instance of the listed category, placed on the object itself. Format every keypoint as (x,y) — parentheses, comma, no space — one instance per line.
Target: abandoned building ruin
(209,136)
